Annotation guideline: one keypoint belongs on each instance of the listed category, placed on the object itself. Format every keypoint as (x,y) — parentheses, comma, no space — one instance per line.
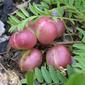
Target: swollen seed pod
(25,39)
(60,26)
(31,59)
(45,29)
(59,56)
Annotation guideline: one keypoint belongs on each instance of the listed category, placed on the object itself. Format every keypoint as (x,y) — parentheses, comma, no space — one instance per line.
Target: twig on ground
(23,5)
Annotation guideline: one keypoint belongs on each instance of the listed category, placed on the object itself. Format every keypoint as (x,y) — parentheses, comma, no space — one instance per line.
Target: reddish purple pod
(59,56)
(25,39)
(60,26)
(45,30)
(30,60)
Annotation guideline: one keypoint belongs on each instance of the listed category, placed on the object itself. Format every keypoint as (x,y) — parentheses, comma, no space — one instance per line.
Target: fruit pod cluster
(44,30)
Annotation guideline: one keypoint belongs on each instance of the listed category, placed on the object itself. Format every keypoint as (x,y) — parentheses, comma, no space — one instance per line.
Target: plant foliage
(71,10)
(50,75)
(76,79)
(30,77)
(74,9)
(79,51)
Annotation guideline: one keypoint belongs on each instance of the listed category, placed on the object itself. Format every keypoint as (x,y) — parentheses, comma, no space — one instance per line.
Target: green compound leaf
(39,11)
(61,77)
(38,75)
(53,75)
(21,15)
(25,12)
(30,77)
(46,75)
(33,10)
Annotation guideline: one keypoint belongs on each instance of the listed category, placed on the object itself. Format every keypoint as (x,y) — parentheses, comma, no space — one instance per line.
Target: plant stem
(68,43)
